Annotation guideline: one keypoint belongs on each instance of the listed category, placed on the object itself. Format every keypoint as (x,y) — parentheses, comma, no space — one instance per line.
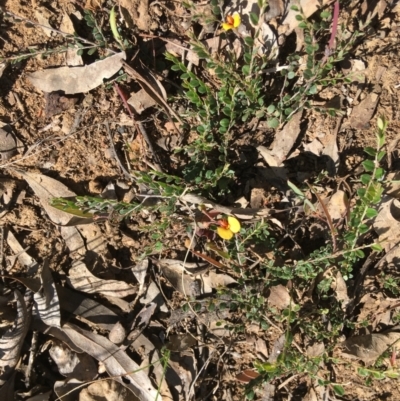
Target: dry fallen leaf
(7,390)
(8,144)
(78,238)
(175,272)
(117,363)
(362,113)
(283,142)
(289,23)
(24,258)
(337,205)
(81,279)
(86,308)
(216,280)
(369,347)
(11,342)
(109,390)
(153,294)
(279,297)
(46,302)
(72,364)
(73,80)
(387,226)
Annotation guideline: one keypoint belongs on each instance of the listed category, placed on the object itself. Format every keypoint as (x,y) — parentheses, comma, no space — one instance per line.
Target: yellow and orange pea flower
(232,22)
(228,227)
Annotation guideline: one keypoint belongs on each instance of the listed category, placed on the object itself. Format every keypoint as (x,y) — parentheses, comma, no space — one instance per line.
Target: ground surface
(83,148)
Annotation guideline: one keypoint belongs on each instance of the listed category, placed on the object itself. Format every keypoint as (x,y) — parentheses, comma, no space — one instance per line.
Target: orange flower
(232,22)
(228,227)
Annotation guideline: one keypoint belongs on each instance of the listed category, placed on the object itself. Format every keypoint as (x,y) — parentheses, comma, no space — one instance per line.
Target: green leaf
(294,8)
(202,90)
(310,49)
(246,69)
(339,390)
(291,74)
(382,123)
(370,151)
(273,123)
(361,192)
(363,228)
(254,18)
(91,51)
(325,14)
(313,89)
(270,109)
(378,375)
(249,41)
(380,156)
(360,253)
(299,17)
(308,74)
(392,374)
(371,213)
(366,178)
(296,190)
(225,122)
(363,372)
(368,165)
(377,247)
(379,173)
(303,25)
(227,111)
(114,28)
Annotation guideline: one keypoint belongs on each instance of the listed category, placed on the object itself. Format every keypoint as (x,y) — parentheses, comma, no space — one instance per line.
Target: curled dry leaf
(142,320)
(216,280)
(283,142)
(68,390)
(23,257)
(81,279)
(153,294)
(117,363)
(47,304)
(73,80)
(12,341)
(175,272)
(72,364)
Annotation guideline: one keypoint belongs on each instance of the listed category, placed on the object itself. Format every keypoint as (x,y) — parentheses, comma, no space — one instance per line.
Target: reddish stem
(124,99)
(334,25)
